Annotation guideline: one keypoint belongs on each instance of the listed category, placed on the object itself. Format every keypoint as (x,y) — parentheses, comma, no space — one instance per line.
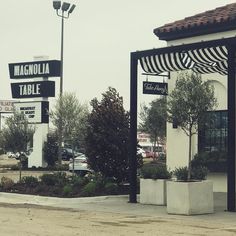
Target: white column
(36,158)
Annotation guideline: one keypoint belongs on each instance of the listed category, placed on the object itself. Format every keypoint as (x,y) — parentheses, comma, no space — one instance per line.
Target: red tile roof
(217,20)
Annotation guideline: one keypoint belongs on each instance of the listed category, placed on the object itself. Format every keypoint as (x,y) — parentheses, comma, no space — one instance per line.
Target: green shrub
(50,149)
(1,151)
(48,179)
(6,183)
(67,190)
(30,181)
(61,178)
(155,172)
(77,181)
(15,167)
(111,188)
(61,167)
(181,173)
(89,189)
(214,161)
(58,178)
(197,173)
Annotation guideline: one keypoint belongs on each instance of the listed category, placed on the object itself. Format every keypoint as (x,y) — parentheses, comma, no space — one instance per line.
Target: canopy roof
(202,60)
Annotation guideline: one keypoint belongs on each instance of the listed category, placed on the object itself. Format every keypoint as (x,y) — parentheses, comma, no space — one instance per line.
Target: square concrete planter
(153,191)
(190,198)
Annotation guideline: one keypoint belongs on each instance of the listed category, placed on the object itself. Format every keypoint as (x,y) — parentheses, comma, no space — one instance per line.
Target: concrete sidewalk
(118,204)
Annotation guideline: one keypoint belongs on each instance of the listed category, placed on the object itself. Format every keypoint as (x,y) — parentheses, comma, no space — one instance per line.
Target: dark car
(67,154)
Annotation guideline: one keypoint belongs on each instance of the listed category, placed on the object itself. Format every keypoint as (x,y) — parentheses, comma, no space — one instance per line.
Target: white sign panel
(32,110)
(6,106)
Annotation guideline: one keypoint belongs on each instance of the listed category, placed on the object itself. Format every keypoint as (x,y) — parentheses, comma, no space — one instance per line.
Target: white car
(141,152)
(80,165)
(11,155)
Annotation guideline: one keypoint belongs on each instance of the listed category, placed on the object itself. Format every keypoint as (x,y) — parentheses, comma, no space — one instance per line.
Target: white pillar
(36,158)
(40,136)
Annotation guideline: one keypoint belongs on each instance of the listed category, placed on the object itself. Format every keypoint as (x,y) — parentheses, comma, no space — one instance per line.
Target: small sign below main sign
(35,112)
(35,69)
(33,89)
(6,106)
(155,88)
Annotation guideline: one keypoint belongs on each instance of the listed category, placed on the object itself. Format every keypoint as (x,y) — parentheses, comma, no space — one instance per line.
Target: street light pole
(61,10)
(62,53)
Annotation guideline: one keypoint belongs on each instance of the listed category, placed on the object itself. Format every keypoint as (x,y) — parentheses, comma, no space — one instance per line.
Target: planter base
(190,198)
(153,191)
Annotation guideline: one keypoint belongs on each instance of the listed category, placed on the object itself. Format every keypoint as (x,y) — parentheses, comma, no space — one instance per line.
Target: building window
(212,137)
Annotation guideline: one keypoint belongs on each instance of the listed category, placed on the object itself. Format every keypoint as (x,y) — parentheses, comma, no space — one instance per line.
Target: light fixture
(71,9)
(56,5)
(65,6)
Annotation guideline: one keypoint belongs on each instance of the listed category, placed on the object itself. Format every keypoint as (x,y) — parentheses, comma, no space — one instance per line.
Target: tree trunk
(20,168)
(154,149)
(189,154)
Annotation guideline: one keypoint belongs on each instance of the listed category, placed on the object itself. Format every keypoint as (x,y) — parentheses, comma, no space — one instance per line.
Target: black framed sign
(35,112)
(155,88)
(33,89)
(35,69)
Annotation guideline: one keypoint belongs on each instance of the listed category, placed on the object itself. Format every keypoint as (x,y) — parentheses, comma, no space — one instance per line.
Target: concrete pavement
(118,204)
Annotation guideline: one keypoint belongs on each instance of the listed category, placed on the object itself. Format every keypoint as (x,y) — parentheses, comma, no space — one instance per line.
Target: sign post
(37,111)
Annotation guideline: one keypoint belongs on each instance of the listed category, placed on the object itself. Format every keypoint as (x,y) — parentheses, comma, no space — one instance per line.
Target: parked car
(11,155)
(80,165)
(140,151)
(67,154)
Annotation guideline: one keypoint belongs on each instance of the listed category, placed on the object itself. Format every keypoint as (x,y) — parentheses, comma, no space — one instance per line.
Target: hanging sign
(6,106)
(35,69)
(35,112)
(155,88)
(33,89)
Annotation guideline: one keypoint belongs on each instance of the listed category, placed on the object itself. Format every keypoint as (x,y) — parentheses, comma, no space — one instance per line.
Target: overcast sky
(99,36)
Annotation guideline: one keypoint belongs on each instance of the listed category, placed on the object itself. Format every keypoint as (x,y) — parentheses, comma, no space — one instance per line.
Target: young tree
(188,104)
(50,149)
(153,120)
(16,135)
(73,117)
(107,141)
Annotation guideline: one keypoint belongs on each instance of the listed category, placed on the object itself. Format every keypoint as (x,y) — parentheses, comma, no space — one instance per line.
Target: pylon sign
(35,112)
(33,89)
(34,69)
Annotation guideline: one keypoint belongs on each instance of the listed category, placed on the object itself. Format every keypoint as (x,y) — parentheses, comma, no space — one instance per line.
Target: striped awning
(204,60)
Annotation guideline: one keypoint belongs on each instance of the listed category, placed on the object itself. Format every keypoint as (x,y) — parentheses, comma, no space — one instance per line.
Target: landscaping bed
(60,184)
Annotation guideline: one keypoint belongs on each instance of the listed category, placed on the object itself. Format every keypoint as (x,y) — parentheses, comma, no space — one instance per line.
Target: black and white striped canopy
(204,60)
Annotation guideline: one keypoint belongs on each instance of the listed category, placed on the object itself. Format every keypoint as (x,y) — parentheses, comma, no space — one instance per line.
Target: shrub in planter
(181,173)
(197,173)
(153,184)
(190,196)
(155,172)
